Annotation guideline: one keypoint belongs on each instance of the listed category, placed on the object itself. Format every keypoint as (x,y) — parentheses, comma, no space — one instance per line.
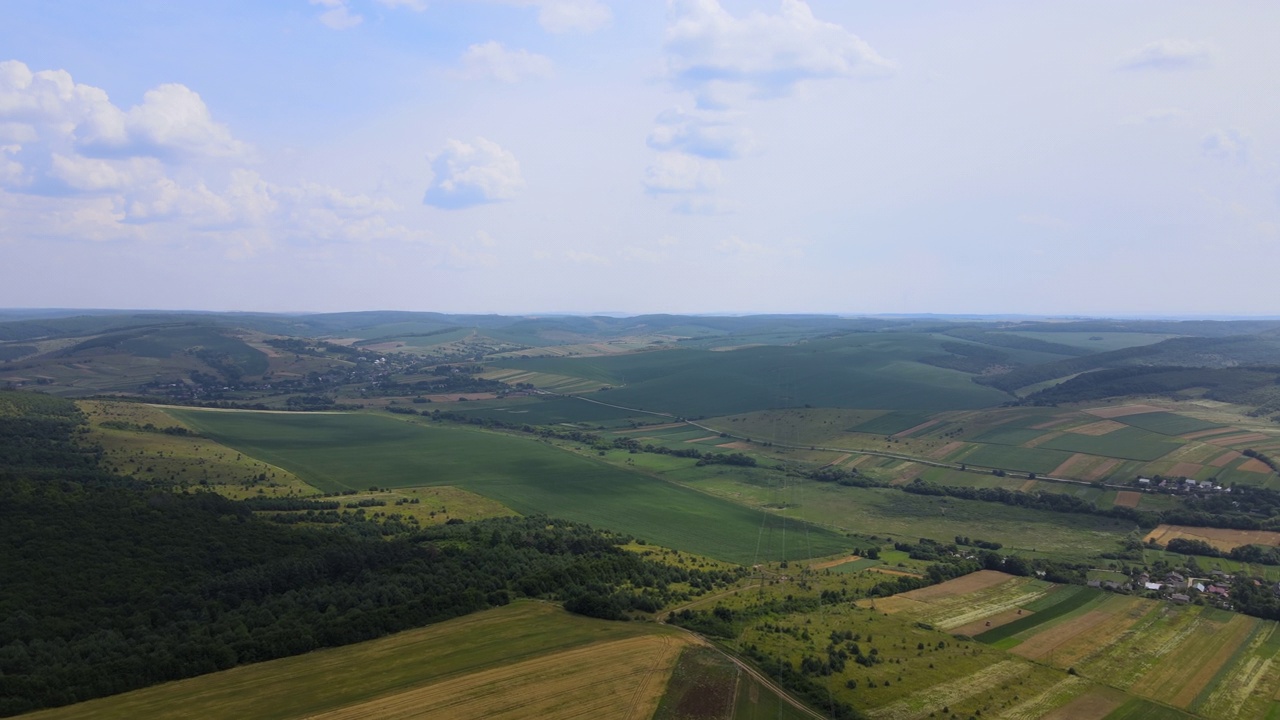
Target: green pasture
(1002,435)
(1129,443)
(1166,423)
(1096,341)
(551,411)
(356,451)
(1036,460)
(1140,709)
(892,422)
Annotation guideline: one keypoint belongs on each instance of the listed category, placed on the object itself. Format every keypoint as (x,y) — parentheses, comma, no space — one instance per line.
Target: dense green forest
(111,586)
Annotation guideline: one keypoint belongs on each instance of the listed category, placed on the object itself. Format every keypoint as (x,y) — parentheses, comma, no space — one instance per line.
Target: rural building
(1144,481)
(1153,586)
(1180,598)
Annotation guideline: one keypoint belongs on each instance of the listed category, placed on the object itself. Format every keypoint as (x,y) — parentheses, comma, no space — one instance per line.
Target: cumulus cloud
(337,16)
(1227,144)
(85,168)
(1167,54)
(469,174)
(673,172)
(708,51)
(492,61)
(679,131)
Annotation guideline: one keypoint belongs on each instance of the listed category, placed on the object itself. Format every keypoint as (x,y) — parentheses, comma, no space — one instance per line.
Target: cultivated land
(355,451)
(524,660)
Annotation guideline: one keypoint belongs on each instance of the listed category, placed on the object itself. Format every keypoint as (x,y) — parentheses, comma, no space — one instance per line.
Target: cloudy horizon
(692,156)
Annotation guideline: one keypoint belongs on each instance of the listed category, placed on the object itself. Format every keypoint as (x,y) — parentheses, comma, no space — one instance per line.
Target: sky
(637,156)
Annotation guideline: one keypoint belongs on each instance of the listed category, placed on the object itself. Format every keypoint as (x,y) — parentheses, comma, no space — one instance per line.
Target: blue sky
(686,156)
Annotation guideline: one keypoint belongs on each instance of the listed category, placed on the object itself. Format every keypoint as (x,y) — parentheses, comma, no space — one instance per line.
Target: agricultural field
(1174,658)
(527,659)
(336,452)
(1221,538)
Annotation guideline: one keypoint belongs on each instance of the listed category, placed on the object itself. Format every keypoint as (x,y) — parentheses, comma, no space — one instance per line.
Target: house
(1190,482)
(1180,598)
(1153,586)
(1218,590)
(1206,485)
(1144,481)
(1094,583)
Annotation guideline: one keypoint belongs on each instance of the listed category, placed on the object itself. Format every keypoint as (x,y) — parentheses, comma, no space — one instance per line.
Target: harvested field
(649,428)
(1044,644)
(1058,695)
(895,571)
(1038,441)
(912,430)
(1099,428)
(839,460)
(892,605)
(1101,470)
(1253,465)
(1053,423)
(1225,459)
(932,700)
(964,585)
(1179,682)
(1070,464)
(946,450)
(993,621)
(1121,613)
(618,679)
(736,445)
(1028,485)
(1221,538)
(1128,498)
(1093,705)
(1186,469)
(834,563)
(703,439)
(1122,410)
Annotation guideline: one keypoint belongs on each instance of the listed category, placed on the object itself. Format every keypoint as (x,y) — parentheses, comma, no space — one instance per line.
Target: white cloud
(735,245)
(1228,144)
(676,130)
(415,5)
(709,51)
(1167,54)
(562,16)
(674,172)
(491,60)
(1154,117)
(472,174)
(338,16)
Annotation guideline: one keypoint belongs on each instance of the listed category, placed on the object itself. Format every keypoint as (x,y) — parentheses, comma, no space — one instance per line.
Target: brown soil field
(895,571)
(860,460)
(1221,538)
(909,431)
(619,679)
(1123,410)
(1069,464)
(963,585)
(1028,485)
(832,563)
(1053,423)
(1121,614)
(839,460)
(1093,705)
(1225,458)
(703,439)
(1043,644)
(737,445)
(980,626)
(1128,498)
(1096,429)
(946,450)
(910,471)
(1237,439)
(1100,470)
(1206,433)
(1254,465)
(1185,469)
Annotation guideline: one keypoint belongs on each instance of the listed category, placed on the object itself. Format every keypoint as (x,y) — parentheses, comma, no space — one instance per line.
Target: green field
(1129,443)
(873,370)
(356,451)
(1036,460)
